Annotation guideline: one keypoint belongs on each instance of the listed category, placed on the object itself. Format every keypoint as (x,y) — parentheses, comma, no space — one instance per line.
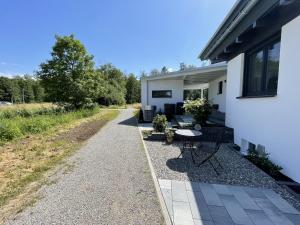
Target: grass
(28,159)
(16,123)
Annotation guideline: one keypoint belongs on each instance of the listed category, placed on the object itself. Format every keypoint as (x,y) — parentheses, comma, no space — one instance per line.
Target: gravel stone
(236,169)
(110,183)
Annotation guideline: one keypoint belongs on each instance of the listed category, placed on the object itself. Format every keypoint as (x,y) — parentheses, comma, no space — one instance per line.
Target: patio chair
(211,155)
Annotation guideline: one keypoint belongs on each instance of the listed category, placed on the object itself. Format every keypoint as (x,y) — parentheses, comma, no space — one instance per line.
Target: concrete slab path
(110,183)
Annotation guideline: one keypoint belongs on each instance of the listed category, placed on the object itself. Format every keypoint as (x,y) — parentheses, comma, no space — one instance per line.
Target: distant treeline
(70,77)
(21,90)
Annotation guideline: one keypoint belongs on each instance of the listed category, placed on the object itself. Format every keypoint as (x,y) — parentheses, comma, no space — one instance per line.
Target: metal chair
(211,155)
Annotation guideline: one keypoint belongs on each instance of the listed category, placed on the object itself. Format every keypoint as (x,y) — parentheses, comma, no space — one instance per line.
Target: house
(260,41)
(204,82)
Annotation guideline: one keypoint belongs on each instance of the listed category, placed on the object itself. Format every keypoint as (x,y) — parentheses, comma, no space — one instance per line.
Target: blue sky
(134,35)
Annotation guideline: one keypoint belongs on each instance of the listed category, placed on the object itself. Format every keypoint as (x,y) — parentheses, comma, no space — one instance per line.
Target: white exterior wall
(272,122)
(155,85)
(213,95)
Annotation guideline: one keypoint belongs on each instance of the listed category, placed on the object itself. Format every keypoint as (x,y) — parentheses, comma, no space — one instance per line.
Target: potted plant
(160,123)
(169,136)
(199,108)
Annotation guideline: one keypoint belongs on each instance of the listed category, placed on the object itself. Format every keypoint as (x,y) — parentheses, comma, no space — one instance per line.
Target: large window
(162,94)
(261,70)
(192,94)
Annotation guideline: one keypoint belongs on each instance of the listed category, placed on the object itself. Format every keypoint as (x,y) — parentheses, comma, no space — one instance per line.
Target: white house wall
(214,97)
(272,122)
(155,85)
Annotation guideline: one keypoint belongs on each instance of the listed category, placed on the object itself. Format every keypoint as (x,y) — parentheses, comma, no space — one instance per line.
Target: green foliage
(69,75)
(19,89)
(133,89)
(113,83)
(33,122)
(261,160)
(160,123)
(199,108)
(169,133)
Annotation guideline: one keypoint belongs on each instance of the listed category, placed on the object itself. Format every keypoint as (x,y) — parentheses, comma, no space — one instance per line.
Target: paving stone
(295,218)
(234,209)
(273,213)
(220,215)
(222,189)
(259,217)
(192,186)
(203,222)
(179,192)
(167,194)
(182,213)
(210,195)
(198,206)
(279,202)
(166,184)
(243,198)
(255,192)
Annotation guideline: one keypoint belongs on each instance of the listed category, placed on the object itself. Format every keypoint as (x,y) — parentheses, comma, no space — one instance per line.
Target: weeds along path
(26,162)
(109,183)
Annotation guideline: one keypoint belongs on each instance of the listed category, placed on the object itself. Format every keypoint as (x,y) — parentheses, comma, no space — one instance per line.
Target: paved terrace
(194,203)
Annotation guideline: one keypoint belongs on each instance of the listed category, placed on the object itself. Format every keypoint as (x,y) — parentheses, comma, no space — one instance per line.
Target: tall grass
(17,123)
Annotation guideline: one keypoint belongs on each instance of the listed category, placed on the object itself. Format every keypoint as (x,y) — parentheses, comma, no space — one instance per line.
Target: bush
(9,131)
(199,108)
(160,123)
(262,161)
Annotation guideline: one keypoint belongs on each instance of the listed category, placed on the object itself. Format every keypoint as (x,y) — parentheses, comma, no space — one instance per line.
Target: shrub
(9,131)
(160,123)
(199,108)
(261,160)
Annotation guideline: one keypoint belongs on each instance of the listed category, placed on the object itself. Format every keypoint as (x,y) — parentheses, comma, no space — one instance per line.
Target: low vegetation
(261,160)
(17,123)
(160,123)
(46,141)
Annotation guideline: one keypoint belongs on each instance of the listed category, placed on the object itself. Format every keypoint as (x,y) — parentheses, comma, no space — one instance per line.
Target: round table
(188,143)
(188,133)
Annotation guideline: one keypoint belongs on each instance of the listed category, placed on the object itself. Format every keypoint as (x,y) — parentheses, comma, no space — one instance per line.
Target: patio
(238,176)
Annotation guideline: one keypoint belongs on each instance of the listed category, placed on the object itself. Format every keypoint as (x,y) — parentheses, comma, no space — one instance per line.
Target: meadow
(18,121)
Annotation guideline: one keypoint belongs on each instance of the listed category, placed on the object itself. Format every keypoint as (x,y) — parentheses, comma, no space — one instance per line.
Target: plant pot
(170,140)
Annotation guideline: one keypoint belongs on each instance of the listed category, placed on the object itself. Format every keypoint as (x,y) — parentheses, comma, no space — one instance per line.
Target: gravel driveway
(110,183)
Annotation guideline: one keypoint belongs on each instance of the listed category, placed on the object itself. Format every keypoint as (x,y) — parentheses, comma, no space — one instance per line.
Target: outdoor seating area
(216,164)
(185,154)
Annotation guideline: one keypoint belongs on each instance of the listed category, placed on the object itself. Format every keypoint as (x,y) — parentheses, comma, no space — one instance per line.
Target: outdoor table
(188,137)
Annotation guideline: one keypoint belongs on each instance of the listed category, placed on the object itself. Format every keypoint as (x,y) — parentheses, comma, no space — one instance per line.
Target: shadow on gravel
(129,122)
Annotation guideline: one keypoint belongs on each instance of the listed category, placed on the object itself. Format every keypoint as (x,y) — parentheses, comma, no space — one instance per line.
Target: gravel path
(110,183)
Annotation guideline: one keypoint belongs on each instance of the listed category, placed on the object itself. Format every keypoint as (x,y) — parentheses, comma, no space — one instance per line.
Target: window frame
(264,46)
(162,91)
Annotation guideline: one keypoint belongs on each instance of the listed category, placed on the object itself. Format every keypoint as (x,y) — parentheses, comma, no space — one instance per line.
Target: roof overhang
(248,23)
(198,75)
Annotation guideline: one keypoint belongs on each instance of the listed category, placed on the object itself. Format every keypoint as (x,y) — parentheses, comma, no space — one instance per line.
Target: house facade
(260,41)
(170,88)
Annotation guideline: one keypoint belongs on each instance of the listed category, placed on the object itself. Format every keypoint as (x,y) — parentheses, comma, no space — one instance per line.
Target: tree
(68,77)
(133,89)
(114,81)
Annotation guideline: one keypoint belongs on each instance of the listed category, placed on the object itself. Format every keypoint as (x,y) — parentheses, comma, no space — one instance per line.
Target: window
(205,93)
(261,70)
(162,94)
(220,88)
(192,94)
